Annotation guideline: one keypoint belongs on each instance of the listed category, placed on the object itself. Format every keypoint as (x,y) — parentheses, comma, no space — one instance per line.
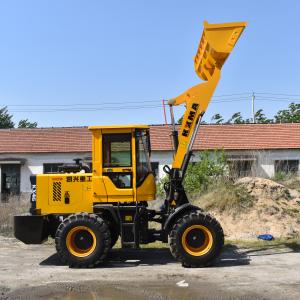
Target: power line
(277,100)
(144,104)
(86,109)
(225,96)
(80,104)
(228,95)
(278,94)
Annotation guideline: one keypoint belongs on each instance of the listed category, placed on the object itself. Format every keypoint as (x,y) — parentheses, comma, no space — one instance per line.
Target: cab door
(117,166)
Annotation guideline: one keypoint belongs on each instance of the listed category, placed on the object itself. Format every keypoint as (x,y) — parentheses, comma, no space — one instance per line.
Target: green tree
(180,120)
(236,118)
(5,119)
(261,118)
(26,124)
(217,119)
(290,115)
(206,171)
(200,175)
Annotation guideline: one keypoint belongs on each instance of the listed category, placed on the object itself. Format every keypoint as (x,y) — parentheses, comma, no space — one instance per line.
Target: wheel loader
(87,210)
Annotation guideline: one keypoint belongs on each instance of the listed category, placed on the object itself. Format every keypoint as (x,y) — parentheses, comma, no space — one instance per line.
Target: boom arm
(216,44)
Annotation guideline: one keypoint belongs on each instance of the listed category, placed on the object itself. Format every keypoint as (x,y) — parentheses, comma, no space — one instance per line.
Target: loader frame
(86,228)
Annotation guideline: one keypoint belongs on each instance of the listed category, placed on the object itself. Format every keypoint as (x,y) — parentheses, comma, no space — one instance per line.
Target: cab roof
(130,126)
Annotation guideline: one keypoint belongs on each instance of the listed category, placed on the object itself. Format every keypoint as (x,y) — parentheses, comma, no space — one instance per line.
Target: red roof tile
(235,137)
(229,137)
(45,140)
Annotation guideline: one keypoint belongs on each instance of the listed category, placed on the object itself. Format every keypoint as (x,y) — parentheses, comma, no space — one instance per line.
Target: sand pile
(267,189)
(275,210)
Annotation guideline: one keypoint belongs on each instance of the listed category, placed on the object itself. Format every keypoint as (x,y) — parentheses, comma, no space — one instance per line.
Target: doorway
(10,180)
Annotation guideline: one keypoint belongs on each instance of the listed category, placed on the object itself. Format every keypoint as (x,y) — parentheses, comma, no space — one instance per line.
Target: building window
(10,181)
(51,168)
(240,168)
(287,166)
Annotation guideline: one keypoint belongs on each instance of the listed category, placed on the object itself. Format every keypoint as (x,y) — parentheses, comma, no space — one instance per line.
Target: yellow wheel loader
(87,211)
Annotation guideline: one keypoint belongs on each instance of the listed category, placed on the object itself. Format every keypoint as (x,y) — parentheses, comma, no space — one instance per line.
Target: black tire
(196,239)
(82,240)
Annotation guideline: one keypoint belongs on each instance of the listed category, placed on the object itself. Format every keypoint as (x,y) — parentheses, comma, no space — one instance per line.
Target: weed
(293,212)
(289,180)
(14,206)
(225,196)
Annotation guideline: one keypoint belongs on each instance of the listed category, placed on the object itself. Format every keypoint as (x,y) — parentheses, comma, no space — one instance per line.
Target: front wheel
(196,239)
(83,240)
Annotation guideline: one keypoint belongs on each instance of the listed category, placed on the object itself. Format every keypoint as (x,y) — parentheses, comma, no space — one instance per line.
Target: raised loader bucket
(216,43)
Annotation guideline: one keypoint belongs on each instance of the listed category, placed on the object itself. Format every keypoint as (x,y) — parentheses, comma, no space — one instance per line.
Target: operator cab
(121,164)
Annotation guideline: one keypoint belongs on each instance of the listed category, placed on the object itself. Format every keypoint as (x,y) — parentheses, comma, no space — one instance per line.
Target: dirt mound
(275,210)
(266,188)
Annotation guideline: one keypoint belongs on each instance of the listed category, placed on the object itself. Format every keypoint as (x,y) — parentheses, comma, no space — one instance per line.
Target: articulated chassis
(195,238)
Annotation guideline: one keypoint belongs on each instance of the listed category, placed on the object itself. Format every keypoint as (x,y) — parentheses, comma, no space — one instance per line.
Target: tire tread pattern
(101,226)
(203,218)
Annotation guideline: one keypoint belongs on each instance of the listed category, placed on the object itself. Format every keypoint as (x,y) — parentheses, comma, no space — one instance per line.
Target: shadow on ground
(271,249)
(124,258)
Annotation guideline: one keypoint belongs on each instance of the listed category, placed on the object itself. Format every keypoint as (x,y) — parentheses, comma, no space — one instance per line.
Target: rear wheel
(83,240)
(196,239)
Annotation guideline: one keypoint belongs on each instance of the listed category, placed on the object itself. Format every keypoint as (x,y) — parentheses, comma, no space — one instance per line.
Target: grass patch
(225,196)
(288,180)
(154,245)
(14,206)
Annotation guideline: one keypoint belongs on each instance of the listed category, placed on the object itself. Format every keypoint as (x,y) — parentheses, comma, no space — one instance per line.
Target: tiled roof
(230,137)
(235,137)
(73,139)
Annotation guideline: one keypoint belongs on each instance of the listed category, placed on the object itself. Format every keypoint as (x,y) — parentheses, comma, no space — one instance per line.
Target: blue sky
(95,54)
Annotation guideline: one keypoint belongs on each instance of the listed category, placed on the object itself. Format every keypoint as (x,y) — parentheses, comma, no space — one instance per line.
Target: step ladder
(129,230)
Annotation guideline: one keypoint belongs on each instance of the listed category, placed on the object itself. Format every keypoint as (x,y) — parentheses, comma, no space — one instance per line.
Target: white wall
(264,164)
(163,158)
(34,163)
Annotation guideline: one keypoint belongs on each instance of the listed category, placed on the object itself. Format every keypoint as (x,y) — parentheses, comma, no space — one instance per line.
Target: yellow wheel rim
(197,240)
(81,241)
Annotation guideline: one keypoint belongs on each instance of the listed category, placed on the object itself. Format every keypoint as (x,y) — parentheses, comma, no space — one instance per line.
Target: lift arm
(216,44)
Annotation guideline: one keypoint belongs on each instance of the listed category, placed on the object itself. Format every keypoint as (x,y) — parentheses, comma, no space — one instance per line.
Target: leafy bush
(280,176)
(160,192)
(201,174)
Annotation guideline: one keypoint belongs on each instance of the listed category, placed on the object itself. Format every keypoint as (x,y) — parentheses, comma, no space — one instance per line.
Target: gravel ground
(35,272)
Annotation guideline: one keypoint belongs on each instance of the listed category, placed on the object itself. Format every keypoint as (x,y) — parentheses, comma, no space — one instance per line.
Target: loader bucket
(216,43)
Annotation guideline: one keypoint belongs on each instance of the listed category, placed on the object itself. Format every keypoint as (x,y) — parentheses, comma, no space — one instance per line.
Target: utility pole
(164,110)
(253,110)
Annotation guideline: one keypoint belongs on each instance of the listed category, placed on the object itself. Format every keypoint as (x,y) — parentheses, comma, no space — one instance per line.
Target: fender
(179,211)
(108,211)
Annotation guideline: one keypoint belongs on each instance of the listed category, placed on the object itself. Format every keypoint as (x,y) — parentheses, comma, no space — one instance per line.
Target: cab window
(143,166)
(116,150)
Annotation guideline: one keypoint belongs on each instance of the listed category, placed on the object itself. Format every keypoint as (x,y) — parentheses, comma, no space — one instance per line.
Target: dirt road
(35,272)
